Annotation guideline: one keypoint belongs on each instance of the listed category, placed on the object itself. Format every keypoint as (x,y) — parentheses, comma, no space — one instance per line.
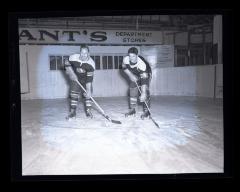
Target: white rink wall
(188,81)
(38,82)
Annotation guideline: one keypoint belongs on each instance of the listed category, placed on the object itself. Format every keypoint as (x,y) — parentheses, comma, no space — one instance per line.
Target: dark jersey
(83,69)
(141,69)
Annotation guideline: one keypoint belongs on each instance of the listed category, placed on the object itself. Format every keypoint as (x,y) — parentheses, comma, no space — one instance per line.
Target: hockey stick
(147,107)
(103,113)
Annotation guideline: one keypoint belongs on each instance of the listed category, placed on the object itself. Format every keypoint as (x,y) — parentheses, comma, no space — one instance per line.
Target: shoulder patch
(141,64)
(126,60)
(74,57)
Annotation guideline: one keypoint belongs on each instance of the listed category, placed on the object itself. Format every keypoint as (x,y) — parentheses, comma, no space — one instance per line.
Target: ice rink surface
(190,138)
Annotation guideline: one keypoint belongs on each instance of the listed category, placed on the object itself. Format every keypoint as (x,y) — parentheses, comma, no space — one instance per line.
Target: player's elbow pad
(68,70)
(124,67)
(144,78)
(89,77)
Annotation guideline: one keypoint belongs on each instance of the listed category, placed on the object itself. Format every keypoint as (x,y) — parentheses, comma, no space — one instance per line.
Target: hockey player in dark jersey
(137,70)
(80,67)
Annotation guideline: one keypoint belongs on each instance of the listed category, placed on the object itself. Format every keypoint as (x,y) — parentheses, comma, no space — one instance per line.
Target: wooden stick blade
(116,122)
(113,121)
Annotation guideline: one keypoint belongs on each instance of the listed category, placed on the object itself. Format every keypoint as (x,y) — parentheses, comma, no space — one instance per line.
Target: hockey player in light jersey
(80,67)
(137,70)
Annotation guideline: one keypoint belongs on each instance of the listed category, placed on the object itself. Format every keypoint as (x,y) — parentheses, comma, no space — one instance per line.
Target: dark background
(12,156)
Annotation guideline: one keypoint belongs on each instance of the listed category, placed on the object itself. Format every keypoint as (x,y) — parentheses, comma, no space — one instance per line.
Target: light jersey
(84,69)
(77,62)
(138,68)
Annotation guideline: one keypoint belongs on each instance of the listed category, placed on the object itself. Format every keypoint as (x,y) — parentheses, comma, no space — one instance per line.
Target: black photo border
(15,97)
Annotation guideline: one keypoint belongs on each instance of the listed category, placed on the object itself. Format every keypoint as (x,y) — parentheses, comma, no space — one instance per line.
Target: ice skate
(89,113)
(72,114)
(131,112)
(145,114)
